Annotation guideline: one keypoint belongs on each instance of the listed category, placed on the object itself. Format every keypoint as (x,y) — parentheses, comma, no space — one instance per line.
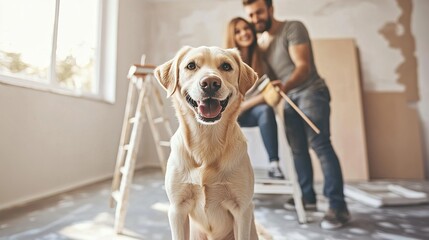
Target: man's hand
(277,83)
(271,96)
(284,87)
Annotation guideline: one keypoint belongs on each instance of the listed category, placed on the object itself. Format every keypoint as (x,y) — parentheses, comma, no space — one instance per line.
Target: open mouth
(208,109)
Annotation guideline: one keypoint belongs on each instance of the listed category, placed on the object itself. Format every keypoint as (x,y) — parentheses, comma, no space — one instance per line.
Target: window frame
(105,59)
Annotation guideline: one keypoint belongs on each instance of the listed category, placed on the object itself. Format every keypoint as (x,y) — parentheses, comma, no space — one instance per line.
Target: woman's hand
(249,103)
(244,107)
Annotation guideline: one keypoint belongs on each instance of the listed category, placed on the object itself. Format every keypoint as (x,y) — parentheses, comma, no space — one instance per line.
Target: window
(62,46)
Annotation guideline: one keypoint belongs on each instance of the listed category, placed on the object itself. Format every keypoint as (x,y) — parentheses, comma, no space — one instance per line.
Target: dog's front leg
(244,224)
(179,223)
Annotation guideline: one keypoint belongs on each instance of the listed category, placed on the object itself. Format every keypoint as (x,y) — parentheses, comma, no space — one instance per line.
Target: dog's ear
(167,74)
(247,76)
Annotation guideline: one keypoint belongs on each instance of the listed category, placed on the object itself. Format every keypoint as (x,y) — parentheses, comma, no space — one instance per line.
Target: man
(288,52)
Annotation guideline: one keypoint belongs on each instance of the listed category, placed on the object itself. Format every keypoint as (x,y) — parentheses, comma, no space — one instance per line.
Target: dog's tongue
(209,108)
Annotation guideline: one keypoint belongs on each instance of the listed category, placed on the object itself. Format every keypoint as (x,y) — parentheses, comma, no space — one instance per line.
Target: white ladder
(143,96)
(265,185)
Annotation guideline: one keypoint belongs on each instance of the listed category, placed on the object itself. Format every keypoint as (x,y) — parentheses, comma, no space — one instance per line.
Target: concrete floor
(85,214)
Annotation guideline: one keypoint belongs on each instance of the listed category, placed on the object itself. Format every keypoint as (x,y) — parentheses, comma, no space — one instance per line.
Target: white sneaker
(276,173)
(335,218)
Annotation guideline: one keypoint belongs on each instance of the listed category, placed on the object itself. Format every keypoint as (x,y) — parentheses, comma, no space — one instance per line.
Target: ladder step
(116,195)
(140,70)
(159,120)
(133,120)
(124,170)
(164,143)
(126,147)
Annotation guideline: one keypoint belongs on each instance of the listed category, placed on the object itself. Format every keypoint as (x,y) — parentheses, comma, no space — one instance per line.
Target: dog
(209,178)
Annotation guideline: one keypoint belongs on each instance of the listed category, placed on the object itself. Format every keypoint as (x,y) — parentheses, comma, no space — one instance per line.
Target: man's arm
(300,55)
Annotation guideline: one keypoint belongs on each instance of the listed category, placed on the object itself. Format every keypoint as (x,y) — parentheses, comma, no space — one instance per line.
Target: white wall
(49,142)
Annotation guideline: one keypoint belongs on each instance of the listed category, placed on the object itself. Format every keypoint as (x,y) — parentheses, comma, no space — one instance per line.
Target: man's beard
(266,26)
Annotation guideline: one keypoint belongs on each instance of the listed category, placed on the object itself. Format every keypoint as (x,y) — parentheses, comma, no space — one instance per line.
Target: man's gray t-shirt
(277,55)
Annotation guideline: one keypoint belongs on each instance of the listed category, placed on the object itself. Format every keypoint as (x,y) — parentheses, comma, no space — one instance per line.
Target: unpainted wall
(390,36)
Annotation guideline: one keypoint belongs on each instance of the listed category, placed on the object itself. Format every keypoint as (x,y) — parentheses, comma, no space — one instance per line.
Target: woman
(254,111)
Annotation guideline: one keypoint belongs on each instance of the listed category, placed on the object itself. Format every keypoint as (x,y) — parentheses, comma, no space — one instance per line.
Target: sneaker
(335,218)
(276,173)
(290,205)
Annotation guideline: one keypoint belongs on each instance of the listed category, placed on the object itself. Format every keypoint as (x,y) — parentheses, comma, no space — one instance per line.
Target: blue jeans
(263,116)
(314,102)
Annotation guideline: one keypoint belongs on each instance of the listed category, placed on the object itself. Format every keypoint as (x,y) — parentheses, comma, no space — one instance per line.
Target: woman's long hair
(254,59)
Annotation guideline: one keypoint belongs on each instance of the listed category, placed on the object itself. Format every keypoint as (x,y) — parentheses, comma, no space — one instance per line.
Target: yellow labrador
(209,179)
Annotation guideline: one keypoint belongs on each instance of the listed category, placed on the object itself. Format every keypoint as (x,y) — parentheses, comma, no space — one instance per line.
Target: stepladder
(288,186)
(144,104)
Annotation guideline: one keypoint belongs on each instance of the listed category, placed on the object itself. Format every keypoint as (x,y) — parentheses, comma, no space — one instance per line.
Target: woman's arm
(251,102)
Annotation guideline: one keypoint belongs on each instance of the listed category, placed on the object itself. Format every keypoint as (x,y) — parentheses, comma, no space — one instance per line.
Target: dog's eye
(191,66)
(226,67)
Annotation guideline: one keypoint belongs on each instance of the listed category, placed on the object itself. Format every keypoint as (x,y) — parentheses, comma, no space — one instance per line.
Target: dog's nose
(210,85)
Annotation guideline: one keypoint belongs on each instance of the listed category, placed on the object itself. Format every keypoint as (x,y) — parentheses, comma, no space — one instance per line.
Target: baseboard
(36,197)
